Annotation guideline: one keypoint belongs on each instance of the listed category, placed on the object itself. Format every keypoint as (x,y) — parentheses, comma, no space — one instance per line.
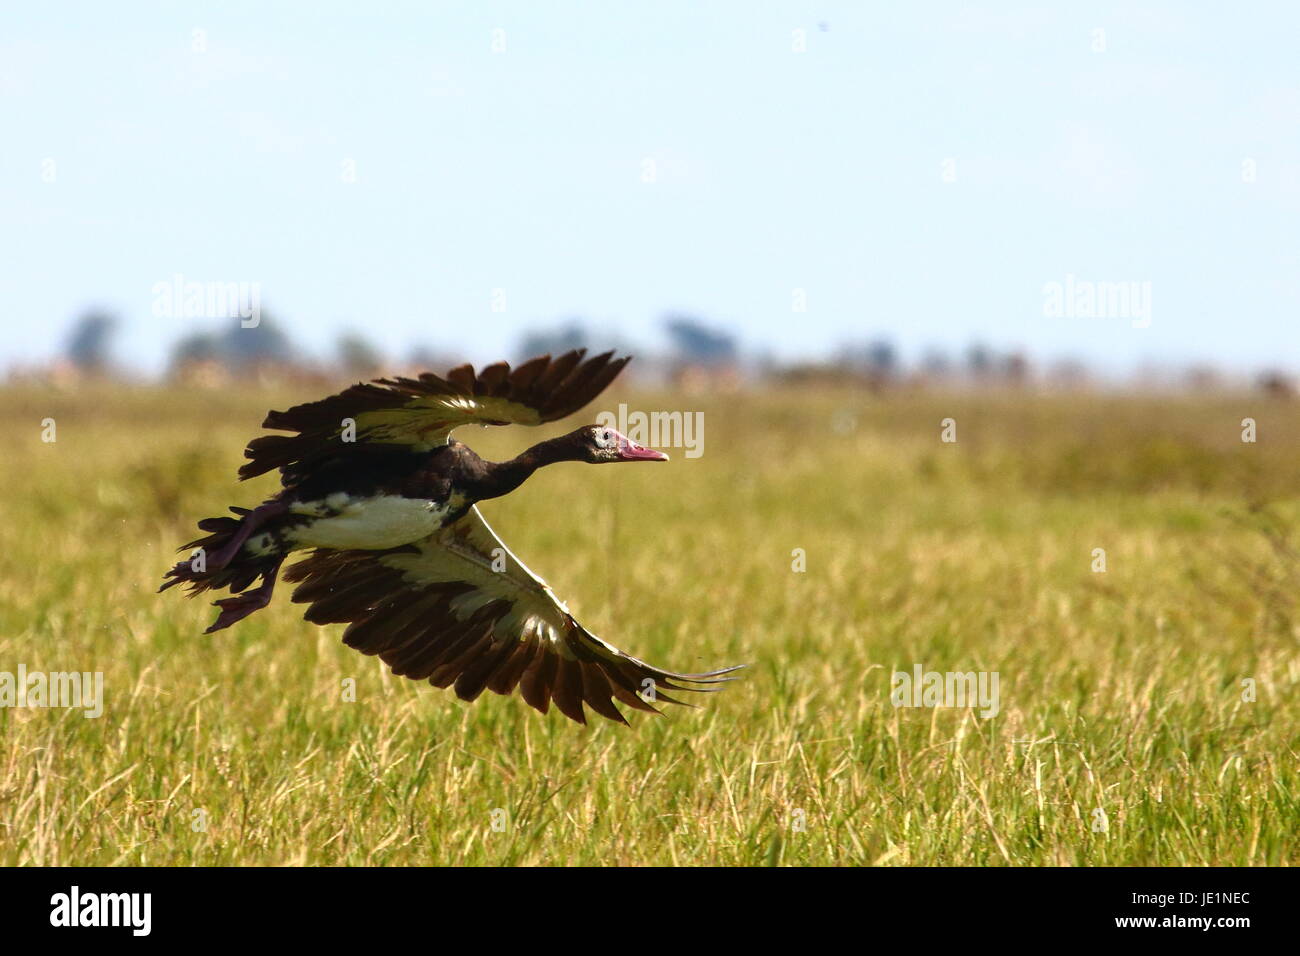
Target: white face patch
(368,524)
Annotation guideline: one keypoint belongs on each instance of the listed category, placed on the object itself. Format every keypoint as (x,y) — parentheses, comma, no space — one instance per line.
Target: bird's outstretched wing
(439,610)
(419,413)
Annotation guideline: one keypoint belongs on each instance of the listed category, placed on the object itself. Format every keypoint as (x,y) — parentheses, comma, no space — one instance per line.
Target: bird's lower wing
(458,608)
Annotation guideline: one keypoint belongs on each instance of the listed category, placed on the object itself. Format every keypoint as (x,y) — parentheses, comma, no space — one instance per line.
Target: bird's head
(600,443)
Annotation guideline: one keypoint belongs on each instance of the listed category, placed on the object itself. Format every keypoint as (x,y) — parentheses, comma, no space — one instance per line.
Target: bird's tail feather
(201,571)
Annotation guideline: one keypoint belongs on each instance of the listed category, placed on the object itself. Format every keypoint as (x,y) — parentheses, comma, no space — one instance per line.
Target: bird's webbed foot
(239,606)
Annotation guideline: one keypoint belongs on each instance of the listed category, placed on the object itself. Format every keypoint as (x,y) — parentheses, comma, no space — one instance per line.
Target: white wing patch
(466,552)
(370,524)
(437,610)
(434,418)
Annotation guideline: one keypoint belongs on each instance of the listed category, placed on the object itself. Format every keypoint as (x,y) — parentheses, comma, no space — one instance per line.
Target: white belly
(384,521)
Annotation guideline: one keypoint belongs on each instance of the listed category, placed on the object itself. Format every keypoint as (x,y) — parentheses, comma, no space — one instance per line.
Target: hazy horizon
(921,174)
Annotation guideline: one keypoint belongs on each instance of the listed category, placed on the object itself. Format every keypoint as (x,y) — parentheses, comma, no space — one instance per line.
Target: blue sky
(774,170)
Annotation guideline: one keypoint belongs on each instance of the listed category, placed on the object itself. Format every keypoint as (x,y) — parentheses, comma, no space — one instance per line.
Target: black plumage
(384,503)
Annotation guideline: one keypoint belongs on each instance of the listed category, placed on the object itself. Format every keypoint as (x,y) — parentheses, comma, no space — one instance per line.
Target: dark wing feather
(420,413)
(437,611)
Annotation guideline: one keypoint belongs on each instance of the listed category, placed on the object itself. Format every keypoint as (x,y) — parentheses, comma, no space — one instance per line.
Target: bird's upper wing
(439,610)
(420,413)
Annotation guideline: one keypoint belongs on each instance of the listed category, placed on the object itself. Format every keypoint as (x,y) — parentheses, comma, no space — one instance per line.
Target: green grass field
(1120,691)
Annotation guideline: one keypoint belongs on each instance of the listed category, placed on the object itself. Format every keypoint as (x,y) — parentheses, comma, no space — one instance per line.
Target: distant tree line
(696,350)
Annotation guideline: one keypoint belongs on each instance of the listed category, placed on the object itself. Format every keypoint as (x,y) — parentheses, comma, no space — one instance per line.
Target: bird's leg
(247,525)
(235,609)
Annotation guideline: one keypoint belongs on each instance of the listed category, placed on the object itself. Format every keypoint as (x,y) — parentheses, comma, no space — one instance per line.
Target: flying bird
(384,502)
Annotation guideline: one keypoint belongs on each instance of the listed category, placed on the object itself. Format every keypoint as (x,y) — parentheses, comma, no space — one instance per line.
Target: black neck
(499,478)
